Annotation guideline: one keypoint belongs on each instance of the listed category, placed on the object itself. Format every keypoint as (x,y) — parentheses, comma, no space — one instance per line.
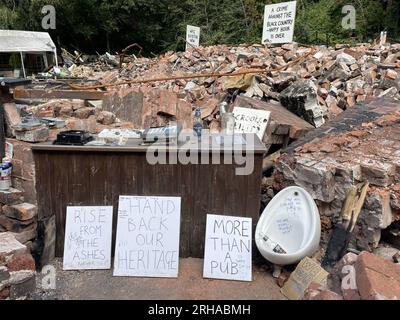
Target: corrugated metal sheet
(25,41)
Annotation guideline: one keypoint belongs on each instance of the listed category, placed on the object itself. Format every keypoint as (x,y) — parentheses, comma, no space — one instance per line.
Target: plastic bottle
(228,124)
(5,174)
(197,123)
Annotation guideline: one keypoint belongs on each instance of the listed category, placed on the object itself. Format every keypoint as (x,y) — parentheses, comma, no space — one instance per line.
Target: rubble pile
(361,144)
(17,268)
(359,277)
(65,115)
(18,217)
(330,80)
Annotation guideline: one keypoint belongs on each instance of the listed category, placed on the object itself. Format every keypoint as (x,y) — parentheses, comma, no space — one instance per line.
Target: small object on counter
(117,133)
(222,108)
(228,124)
(73,138)
(53,122)
(197,123)
(152,135)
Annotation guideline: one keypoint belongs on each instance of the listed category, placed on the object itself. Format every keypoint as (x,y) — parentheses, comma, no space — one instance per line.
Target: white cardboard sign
(251,121)
(87,242)
(192,36)
(228,248)
(279,22)
(147,243)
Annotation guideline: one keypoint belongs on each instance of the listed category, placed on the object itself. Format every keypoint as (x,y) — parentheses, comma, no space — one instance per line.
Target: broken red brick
(21,262)
(377,278)
(4,293)
(22,212)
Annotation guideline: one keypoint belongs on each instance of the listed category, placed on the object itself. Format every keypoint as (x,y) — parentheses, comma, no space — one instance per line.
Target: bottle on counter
(227,120)
(197,123)
(228,124)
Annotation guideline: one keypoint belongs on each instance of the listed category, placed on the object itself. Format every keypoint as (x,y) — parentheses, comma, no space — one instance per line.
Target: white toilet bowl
(289,224)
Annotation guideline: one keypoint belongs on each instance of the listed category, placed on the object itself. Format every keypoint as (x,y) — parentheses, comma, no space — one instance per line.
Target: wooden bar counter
(98,175)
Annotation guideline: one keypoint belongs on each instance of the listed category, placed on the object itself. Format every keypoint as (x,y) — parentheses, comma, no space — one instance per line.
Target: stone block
(84,113)
(377,279)
(327,295)
(21,262)
(4,293)
(14,225)
(18,277)
(377,173)
(4,274)
(106,118)
(24,289)
(22,212)
(9,246)
(27,234)
(12,117)
(38,134)
(11,196)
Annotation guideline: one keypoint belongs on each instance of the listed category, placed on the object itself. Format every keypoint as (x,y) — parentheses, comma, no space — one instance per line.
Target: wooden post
(23,65)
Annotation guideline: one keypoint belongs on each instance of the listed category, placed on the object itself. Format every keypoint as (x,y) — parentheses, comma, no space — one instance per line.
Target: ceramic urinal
(289,228)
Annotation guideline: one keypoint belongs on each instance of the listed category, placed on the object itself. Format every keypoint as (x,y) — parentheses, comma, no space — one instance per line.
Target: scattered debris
(342,232)
(362,277)
(17,268)
(361,144)
(307,271)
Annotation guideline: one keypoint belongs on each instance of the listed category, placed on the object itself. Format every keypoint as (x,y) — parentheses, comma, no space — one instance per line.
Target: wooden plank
(59,193)
(115,186)
(23,93)
(135,145)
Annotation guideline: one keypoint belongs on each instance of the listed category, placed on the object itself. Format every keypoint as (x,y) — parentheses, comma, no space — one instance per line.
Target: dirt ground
(190,285)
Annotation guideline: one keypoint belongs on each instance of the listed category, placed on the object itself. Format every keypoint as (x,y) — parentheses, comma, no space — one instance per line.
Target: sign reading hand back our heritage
(279,22)
(147,243)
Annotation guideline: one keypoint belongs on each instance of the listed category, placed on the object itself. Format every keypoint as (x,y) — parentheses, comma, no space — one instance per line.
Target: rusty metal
(123,54)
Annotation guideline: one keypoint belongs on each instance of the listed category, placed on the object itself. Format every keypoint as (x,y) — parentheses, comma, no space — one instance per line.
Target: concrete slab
(90,285)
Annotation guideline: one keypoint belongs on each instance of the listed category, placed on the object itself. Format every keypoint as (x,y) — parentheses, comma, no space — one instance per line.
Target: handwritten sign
(147,242)
(88,238)
(228,248)
(307,271)
(192,36)
(279,22)
(251,121)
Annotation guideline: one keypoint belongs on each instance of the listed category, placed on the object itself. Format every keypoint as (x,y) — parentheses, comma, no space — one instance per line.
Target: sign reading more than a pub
(87,242)
(147,243)
(279,22)
(192,36)
(251,121)
(228,248)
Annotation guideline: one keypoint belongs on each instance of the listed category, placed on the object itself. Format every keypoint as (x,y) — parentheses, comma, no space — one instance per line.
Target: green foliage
(15,61)
(160,25)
